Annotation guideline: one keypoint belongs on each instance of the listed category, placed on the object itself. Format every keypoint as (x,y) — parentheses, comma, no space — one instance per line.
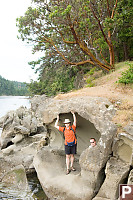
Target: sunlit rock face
(22,135)
(119,167)
(16,178)
(93,120)
(30,138)
(123,146)
(116,172)
(19,124)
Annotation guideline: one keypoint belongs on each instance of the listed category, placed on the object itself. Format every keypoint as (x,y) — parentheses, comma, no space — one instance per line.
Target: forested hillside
(13,88)
(76,36)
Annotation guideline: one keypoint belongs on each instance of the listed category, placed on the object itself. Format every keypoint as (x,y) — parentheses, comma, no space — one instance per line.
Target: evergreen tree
(13,88)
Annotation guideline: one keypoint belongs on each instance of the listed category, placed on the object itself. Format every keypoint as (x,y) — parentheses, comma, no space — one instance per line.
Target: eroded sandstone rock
(9,149)
(94,119)
(116,173)
(130,178)
(16,178)
(129,128)
(123,148)
(17,138)
(54,180)
(20,122)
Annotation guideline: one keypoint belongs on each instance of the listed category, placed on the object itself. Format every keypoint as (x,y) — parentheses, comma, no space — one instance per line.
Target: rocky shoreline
(30,142)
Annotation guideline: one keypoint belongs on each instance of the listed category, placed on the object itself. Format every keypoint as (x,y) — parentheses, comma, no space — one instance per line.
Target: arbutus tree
(79,31)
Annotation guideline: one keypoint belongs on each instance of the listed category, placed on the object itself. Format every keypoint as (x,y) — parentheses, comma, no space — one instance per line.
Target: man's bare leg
(72,161)
(67,162)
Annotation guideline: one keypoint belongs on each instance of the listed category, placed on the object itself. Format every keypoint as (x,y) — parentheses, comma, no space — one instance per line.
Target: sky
(14,54)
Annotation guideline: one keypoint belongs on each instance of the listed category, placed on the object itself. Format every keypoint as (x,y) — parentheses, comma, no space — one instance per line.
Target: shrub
(127,76)
(92,70)
(90,82)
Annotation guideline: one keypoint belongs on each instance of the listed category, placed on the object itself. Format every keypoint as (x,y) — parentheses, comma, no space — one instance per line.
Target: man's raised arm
(56,123)
(74,118)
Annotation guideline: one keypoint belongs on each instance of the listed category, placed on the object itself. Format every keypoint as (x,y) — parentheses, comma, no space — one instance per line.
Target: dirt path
(119,95)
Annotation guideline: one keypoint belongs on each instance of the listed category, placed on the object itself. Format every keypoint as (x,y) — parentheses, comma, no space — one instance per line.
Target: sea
(9,103)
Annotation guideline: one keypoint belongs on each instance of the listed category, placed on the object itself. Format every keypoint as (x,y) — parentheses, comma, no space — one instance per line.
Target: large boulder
(50,167)
(17,125)
(23,152)
(123,148)
(94,117)
(14,184)
(118,167)
(16,178)
(27,132)
(22,136)
(116,173)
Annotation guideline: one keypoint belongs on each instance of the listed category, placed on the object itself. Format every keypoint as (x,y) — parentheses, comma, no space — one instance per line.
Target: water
(36,188)
(8,103)
(35,193)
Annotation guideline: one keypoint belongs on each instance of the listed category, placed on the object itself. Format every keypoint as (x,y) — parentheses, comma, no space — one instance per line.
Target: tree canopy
(13,88)
(63,26)
(77,34)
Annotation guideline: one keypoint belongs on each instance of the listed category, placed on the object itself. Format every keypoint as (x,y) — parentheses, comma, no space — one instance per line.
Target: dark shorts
(70,150)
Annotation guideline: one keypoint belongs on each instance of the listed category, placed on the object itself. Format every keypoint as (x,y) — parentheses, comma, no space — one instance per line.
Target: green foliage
(13,88)
(119,125)
(124,30)
(54,26)
(92,70)
(127,76)
(90,82)
(49,26)
(54,82)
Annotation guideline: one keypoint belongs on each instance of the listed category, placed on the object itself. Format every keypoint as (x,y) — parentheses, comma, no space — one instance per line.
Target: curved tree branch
(112,16)
(108,8)
(67,42)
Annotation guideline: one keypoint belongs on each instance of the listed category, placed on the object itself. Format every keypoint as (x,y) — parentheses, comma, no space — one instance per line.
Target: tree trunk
(125,48)
(111,53)
(111,50)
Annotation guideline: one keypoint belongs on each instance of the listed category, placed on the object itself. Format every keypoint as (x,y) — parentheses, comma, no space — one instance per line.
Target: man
(70,141)
(93,142)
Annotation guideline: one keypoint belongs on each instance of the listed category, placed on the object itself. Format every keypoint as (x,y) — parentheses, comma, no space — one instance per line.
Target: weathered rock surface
(17,125)
(93,120)
(123,148)
(116,173)
(29,138)
(15,185)
(20,140)
(16,178)
(1,121)
(130,178)
(129,128)
(53,179)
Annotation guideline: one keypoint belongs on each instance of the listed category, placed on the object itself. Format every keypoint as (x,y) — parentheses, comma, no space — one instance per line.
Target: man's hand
(72,112)
(74,118)
(56,122)
(57,117)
